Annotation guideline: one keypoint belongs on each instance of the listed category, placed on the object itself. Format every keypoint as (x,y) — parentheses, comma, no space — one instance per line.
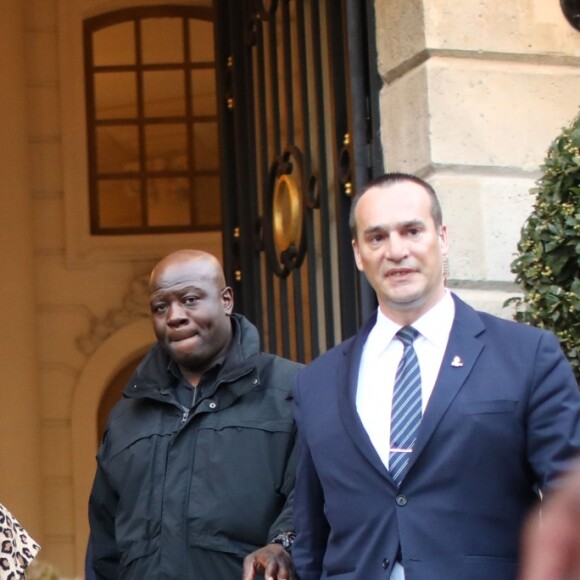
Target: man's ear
(443,240)
(357,258)
(228,300)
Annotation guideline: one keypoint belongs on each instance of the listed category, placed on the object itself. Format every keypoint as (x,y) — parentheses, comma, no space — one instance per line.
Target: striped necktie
(406,411)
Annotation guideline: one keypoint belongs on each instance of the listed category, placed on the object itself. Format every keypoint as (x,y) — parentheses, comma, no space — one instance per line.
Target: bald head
(184,260)
(191,308)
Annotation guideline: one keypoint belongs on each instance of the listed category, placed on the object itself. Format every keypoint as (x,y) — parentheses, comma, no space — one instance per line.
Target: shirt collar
(434,326)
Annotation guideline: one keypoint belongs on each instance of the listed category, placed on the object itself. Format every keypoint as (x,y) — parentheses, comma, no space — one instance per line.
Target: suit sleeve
(310,523)
(553,414)
(102,508)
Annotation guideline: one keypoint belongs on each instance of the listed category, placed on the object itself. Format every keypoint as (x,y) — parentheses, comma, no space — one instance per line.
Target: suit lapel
(463,350)
(347,375)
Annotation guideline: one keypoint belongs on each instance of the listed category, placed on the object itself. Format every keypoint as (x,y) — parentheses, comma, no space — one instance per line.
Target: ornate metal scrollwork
(284,214)
(313,192)
(287,213)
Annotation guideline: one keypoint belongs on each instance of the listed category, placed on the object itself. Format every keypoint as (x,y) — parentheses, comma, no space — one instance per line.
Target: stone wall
(473,95)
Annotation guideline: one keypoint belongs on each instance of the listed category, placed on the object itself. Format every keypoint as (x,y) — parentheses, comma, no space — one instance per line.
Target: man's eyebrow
(411,224)
(384,228)
(163,290)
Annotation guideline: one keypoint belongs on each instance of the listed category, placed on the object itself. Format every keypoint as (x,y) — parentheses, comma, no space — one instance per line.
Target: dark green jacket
(186,494)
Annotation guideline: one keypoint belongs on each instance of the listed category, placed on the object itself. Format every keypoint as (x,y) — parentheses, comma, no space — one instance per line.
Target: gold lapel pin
(456,362)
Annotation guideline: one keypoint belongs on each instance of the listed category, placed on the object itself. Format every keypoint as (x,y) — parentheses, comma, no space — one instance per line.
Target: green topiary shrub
(548,262)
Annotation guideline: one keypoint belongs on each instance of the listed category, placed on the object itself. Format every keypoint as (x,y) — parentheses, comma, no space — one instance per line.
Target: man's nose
(176,315)
(396,248)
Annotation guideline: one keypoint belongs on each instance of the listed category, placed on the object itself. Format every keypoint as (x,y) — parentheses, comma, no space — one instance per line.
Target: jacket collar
(347,375)
(156,372)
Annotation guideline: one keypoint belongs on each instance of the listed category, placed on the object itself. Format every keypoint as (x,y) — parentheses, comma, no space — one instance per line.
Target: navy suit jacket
(498,427)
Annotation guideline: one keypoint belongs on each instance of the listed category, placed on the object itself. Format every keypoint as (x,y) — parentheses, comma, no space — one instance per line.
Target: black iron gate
(298,120)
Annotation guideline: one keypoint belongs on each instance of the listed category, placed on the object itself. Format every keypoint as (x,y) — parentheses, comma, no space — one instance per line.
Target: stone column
(473,94)
(20,471)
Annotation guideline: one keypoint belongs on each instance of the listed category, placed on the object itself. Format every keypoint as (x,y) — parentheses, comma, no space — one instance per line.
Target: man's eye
(189,300)
(158,308)
(414,232)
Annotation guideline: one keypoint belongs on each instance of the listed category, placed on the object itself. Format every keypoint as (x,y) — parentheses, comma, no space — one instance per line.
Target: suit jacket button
(401,500)
(386,563)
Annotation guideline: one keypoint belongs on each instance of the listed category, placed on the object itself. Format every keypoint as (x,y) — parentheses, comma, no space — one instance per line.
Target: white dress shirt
(380,358)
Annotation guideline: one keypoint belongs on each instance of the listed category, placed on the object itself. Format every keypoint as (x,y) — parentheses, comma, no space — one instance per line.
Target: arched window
(152,121)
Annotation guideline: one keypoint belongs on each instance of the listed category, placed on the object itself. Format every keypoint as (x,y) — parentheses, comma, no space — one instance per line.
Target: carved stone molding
(135,306)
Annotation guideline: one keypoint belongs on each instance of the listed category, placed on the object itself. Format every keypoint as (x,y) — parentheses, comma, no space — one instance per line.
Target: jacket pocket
(488,407)
(264,424)
(138,550)
(486,567)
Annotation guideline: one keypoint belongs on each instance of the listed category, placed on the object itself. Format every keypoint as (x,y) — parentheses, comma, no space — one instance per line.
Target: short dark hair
(389,179)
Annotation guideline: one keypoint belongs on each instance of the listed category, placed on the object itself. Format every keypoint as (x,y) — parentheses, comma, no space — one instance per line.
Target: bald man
(197,465)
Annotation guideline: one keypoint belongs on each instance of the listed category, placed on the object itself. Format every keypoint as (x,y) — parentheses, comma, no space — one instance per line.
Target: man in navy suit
(493,417)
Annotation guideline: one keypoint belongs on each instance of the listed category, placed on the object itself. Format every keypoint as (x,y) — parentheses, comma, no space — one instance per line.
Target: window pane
(166,147)
(162,40)
(164,94)
(201,41)
(168,202)
(114,45)
(206,151)
(203,91)
(148,144)
(119,203)
(115,95)
(207,201)
(117,149)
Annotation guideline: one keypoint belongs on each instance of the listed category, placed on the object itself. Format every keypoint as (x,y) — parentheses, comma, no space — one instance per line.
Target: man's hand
(551,547)
(272,560)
